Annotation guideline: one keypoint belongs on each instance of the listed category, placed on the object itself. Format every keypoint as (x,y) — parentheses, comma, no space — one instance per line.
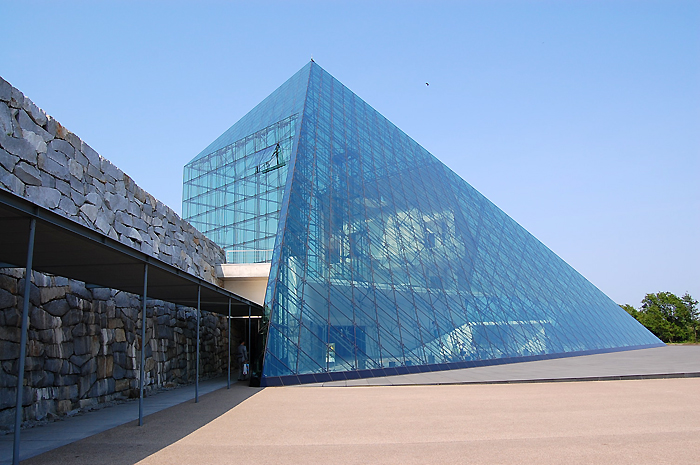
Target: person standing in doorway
(242,359)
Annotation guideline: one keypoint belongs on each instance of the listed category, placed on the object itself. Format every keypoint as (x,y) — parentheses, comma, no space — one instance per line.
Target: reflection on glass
(381,257)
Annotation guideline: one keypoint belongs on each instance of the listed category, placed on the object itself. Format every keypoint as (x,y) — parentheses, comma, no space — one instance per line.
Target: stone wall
(49,165)
(83,344)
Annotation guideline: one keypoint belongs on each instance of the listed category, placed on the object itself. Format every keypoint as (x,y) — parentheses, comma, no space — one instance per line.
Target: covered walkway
(35,238)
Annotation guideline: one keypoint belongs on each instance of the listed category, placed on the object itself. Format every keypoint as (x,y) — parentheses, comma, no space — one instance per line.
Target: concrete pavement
(652,421)
(39,439)
(275,415)
(659,362)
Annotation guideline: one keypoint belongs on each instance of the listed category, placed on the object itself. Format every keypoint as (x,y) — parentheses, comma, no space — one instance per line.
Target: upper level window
(270,159)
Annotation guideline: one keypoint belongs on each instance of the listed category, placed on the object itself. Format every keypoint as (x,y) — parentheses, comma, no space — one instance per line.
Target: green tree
(667,316)
(656,322)
(692,307)
(631,310)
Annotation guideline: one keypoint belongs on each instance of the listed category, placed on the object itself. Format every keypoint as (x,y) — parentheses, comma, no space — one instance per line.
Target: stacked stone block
(84,346)
(49,165)
(83,343)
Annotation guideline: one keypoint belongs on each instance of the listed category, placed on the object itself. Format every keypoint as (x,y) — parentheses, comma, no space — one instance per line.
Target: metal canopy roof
(63,247)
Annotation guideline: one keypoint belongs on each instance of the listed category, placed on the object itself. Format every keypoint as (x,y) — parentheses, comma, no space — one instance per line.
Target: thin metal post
(143,343)
(196,377)
(228,379)
(250,348)
(23,339)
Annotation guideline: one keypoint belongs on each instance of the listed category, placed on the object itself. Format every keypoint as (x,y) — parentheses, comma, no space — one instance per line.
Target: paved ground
(653,421)
(677,360)
(573,422)
(43,438)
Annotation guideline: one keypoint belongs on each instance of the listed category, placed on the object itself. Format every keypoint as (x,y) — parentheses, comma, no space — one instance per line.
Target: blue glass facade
(234,194)
(387,262)
(233,189)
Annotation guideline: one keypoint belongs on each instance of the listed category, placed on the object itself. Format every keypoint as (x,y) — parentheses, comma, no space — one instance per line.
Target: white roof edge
(242,270)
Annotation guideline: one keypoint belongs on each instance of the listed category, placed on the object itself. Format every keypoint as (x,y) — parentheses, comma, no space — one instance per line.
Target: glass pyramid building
(383,261)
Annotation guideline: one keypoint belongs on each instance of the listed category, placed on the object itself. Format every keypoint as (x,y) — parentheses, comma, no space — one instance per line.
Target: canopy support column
(228,379)
(23,340)
(142,375)
(196,377)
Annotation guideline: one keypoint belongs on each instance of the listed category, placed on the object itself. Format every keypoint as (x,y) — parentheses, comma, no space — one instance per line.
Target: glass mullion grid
(435,255)
(408,291)
(305,224)
(389,306)
(402,329)
(370,258)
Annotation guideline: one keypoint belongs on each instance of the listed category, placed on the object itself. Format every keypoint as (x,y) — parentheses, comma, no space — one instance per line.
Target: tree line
(669,317)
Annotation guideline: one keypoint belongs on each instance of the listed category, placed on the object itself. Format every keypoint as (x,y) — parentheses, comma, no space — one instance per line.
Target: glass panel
(386,257)
(234,195)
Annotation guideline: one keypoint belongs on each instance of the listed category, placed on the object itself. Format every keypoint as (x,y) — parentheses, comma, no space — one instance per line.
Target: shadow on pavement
(129,443)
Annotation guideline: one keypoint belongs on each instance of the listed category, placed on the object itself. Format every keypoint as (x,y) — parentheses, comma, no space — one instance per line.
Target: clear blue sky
(581,120)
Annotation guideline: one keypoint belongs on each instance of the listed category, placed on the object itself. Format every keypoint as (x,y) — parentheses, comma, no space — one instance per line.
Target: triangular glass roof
(287,100)
(387,262)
